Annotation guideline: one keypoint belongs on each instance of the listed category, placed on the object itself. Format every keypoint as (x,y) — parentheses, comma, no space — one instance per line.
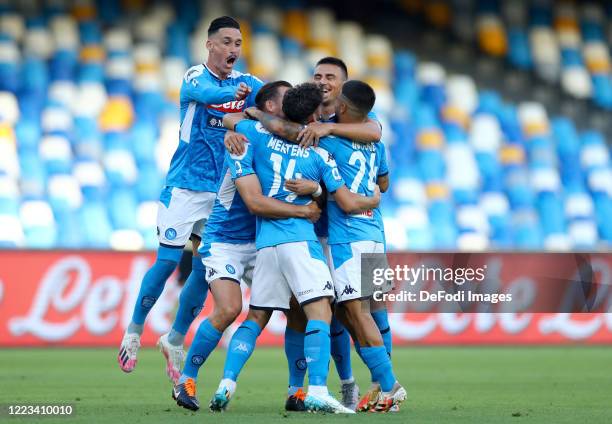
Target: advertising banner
(85,298)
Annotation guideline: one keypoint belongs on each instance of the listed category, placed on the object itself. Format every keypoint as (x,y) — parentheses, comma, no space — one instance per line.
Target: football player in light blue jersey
(290,260)
(330,73)
(350,236)
(208,92)
(229,252)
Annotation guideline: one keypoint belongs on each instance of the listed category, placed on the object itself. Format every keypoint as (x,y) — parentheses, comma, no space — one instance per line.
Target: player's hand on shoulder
(313,212)
(252,113)
(301,186)
(234,142)
(242,92)
(311,133)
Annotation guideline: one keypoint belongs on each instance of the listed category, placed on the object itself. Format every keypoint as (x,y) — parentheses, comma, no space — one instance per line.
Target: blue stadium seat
(95,225)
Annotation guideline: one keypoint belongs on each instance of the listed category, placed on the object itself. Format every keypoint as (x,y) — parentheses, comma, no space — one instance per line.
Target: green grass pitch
(445,385)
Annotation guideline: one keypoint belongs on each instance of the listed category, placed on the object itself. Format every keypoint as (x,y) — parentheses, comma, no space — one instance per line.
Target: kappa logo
(328,286)
(309,360)
(210,274)
(242,347)
(348,290)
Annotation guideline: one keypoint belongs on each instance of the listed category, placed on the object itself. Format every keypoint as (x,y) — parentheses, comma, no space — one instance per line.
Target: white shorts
(181,213)
(229,261)
(291,268)
(346,271)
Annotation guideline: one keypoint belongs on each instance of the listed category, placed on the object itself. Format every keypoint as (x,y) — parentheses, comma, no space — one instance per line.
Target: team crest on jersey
(230,269)
(229,107)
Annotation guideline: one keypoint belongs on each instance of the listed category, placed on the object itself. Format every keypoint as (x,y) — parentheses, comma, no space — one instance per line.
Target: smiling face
(224,47)
(329,78)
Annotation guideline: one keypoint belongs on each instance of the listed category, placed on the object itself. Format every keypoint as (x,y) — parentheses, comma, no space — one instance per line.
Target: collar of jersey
(217,76)
(211,72)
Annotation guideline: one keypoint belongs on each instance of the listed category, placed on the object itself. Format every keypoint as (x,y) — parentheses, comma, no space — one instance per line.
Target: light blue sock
(358,350)
(294,350)
(240,349)
(317,347)
(379,364)
(341,349)
(192,298)
(382,322)
(153,282)
(205,340)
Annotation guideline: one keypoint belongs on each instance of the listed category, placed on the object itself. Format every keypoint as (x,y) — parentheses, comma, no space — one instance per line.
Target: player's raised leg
(151,288)
(191,300)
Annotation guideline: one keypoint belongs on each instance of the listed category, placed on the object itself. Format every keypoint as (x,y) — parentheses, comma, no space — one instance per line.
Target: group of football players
(277,186)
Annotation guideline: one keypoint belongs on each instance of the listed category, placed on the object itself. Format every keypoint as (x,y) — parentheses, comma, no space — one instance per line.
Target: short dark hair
(360,94)
(301,101)
(269,91)
(222,22)
(330,60)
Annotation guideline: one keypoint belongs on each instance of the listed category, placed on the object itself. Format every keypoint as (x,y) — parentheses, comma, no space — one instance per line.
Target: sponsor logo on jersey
(229,107)
(170,234)
(369,214)
(215,122)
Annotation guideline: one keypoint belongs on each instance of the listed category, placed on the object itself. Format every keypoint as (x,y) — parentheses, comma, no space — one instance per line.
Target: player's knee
(227,312)
(319,310)
(260,316)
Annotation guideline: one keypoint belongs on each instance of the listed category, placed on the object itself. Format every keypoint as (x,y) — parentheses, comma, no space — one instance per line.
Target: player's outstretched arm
(231,119)
(351,202)
(199,89)
(268,207)
(364,132)
(277,126)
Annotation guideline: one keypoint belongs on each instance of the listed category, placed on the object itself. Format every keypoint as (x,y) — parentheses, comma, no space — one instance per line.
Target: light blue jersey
(197,163)
(230,220)
(321,226)
(382,171)
(359,166)
(275,160)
